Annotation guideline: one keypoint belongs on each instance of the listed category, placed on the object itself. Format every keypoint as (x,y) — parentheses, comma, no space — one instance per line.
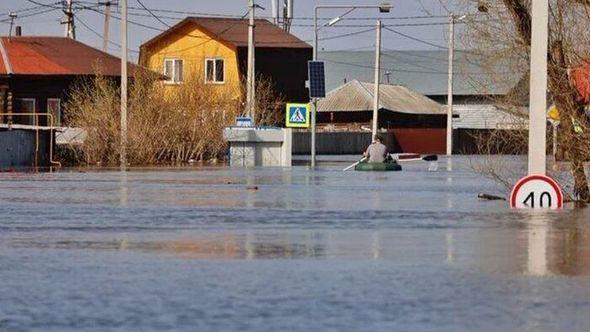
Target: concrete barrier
(249,147)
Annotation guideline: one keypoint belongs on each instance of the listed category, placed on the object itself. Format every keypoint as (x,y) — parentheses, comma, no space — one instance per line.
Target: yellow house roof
(235,32)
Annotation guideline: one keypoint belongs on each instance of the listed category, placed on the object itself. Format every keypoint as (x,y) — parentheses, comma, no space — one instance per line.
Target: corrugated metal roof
(235,31)
(57,56)
(357,96)
(426,71)
(485,117)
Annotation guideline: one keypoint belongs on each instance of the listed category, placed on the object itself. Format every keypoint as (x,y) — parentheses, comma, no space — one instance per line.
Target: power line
(152,14)
(31,14)
(414,38)
(89,28)
(170,11)
(433,72)
(238,21)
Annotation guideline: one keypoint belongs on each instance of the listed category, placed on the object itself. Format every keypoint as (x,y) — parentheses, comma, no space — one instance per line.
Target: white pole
(538,87)
(450,86)
(106,27)
(250,94)
(124,47)
(377,80)
(275,11)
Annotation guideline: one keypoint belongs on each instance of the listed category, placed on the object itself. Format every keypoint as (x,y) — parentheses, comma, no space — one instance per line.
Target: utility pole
(13,17)
(124,47)
(70,31)
(450,86)
(106,27)
(251,77)
(383,8)
(377,80)
(275,11)
(289,17)
(314,101)
(538,88)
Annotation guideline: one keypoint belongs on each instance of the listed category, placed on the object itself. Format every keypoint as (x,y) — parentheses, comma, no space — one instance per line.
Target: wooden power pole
(70,30)
(106,27)
(251,77)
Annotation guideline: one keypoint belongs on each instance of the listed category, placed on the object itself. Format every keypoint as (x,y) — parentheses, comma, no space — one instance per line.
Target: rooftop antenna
(13,17)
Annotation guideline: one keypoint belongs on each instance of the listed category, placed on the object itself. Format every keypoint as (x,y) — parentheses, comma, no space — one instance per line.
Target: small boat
(378,167)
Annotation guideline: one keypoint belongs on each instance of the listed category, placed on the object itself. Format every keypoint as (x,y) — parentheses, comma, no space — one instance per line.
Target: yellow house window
(173,69)
(215,71)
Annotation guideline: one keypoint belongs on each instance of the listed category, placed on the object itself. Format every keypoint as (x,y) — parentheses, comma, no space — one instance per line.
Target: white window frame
(173,80)
(32,117)
(215,70)
(56,119)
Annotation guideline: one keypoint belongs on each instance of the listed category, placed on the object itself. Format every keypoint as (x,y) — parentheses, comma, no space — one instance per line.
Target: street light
(383,8)
(12,16)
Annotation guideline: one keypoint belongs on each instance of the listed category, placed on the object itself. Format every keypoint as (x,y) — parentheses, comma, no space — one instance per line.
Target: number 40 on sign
(536,192)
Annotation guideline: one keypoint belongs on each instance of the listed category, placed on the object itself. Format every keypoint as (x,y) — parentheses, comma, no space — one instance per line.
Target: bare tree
(502,30)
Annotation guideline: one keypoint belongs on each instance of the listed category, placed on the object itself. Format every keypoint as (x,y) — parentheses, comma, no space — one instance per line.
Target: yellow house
(215,50)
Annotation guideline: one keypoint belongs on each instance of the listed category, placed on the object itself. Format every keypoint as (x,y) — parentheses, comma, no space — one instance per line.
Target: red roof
(55,56)
(235,31)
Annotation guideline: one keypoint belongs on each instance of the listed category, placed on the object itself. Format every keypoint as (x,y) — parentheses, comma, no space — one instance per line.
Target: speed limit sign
(536,192)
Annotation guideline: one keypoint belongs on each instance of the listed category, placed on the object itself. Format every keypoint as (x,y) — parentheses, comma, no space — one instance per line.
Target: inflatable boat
(378,167)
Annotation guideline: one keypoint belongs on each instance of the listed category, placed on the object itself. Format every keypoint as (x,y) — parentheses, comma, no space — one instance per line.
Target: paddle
(431,157)
(351,166)
(415,157)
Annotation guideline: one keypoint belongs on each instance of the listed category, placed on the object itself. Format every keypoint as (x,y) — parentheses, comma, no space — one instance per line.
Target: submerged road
(219,249)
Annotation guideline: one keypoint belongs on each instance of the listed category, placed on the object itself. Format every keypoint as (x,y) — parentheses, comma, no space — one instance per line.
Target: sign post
(317,89)
(538,191)
(538,88)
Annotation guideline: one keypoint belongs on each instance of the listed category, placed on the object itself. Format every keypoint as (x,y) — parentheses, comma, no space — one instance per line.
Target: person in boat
(377,151)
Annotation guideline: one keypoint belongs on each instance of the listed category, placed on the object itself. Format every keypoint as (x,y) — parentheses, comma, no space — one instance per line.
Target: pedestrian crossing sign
(297,116)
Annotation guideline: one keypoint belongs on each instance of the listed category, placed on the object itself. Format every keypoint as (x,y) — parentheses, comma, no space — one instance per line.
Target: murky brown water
(195,249)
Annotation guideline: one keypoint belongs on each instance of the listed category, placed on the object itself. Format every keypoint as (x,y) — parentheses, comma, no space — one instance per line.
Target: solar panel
(317,79)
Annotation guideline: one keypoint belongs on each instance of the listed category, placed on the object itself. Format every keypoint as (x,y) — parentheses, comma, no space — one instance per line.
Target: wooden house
(410,121)
(215,50)
(37,72)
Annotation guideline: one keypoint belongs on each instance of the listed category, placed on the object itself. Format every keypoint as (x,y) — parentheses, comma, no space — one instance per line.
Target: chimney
(19,31)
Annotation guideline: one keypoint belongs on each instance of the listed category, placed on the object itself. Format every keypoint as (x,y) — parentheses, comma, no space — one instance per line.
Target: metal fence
(396,140)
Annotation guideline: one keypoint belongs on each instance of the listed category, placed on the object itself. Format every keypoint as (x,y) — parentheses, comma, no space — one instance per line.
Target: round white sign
(536,192)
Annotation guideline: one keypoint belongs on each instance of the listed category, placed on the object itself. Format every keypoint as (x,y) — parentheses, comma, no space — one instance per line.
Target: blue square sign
(297,116)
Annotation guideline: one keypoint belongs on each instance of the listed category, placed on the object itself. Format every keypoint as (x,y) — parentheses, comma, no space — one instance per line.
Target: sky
(89,25)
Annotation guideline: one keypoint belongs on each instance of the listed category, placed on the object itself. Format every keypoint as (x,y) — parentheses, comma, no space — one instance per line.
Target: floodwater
(220,249)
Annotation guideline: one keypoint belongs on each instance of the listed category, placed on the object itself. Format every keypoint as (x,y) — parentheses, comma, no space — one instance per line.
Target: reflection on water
(538,228)
(225,246)
(412,250)
(450,248)
(541,244)
(124,195)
